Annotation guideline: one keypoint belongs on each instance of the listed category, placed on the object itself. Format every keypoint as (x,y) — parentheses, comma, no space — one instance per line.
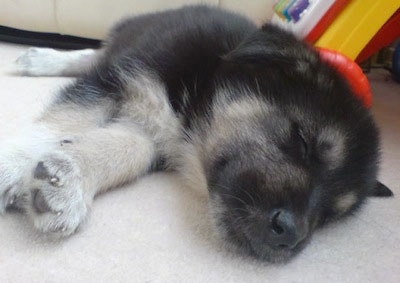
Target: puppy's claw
(55,181)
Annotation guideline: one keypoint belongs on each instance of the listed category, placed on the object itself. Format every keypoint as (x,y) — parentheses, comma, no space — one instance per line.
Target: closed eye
(221,163)
(297,146)
(303,144)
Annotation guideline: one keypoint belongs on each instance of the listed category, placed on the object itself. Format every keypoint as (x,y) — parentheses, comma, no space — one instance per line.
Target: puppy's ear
(380,190)
(257,48)
(271,45)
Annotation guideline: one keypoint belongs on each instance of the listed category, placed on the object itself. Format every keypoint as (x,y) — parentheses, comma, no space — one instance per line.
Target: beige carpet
(157,231)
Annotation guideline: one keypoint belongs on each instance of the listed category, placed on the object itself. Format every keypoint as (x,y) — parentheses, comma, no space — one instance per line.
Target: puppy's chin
(265,253)
(235,237)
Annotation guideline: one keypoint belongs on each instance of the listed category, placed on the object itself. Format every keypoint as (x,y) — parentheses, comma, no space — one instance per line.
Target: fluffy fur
(251,114)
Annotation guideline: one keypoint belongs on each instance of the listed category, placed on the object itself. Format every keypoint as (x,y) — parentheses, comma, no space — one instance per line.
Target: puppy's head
(289,149)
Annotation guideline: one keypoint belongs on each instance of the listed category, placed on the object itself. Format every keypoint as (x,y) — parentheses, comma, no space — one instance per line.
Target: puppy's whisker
(235,198)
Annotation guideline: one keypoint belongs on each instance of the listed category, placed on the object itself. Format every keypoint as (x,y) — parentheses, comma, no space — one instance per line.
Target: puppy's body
(253,115)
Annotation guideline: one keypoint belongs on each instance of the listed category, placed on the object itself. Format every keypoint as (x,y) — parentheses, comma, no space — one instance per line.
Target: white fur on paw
(9,187)
(40,62)
(12,171)
(12,196)
(57,203)
(18,155)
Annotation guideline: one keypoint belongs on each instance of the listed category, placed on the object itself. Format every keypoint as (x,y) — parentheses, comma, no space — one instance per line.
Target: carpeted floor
(157,231)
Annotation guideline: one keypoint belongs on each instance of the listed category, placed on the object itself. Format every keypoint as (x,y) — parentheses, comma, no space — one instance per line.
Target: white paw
(39,62)
(13,167)
(17,157)
(12,196)
(57,203)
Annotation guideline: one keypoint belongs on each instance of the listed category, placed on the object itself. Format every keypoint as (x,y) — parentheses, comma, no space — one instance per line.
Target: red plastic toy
(384,37)
(351,71)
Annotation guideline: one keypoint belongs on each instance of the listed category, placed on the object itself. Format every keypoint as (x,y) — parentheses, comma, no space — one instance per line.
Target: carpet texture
(155,230)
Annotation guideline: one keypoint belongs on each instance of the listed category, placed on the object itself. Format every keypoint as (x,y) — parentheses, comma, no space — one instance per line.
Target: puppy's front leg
(66,180)
(54,177)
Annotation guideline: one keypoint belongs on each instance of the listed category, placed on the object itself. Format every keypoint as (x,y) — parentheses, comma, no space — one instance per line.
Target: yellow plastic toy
(356,25)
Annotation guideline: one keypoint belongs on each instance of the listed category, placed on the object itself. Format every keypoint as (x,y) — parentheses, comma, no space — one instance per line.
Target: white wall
(92,18)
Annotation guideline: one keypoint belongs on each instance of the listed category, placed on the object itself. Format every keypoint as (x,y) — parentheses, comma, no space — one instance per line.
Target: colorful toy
(356,28)
(356,25)
(327,18)
(351,71)
(384,37)
(303,17)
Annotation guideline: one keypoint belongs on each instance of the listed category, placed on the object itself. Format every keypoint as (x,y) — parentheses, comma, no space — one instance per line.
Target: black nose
(286,229)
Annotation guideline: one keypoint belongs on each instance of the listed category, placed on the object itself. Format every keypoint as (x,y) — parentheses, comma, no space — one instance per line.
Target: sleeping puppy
(251,114)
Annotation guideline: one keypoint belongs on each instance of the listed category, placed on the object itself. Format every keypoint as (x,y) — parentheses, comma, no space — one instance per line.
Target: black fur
(199,50)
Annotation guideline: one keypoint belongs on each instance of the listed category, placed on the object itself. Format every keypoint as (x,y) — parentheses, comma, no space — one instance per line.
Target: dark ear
(266,43)
(271,46)
(380,190)
(258,48)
